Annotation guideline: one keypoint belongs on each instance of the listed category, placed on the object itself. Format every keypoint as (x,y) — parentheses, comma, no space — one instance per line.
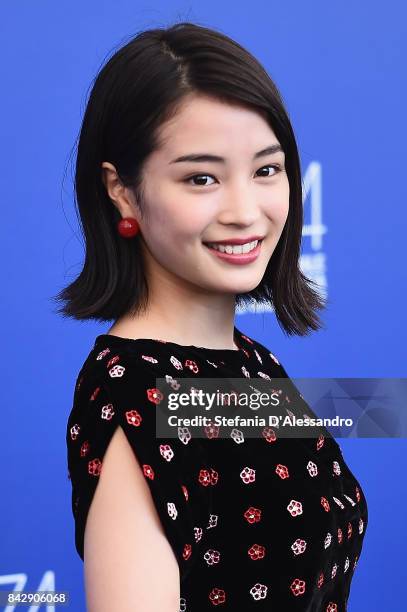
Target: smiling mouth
(234,249)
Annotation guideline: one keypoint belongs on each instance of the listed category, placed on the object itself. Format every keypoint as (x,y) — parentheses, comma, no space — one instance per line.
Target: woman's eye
(275,167)
(198,176)
(203,177)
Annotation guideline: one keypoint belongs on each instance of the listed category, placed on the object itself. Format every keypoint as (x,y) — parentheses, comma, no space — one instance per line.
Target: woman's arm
(129,564)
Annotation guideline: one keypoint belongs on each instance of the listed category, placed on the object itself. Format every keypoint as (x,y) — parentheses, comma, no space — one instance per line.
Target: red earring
(128,227)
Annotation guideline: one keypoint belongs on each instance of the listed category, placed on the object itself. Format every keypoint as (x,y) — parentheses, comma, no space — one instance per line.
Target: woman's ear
(120,195)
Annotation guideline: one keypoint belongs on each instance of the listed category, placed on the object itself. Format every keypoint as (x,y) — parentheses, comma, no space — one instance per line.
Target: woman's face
(190,203)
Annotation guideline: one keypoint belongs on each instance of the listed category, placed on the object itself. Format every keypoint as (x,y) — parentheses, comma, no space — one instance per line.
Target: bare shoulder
(129,564)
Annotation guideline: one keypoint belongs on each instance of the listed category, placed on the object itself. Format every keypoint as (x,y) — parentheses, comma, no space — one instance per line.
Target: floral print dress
(267,523)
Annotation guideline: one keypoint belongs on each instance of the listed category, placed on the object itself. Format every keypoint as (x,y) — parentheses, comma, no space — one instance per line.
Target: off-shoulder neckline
(237,336)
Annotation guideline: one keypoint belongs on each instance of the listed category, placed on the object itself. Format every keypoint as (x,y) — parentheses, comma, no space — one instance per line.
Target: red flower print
(134,418)
(298,587)
(269,434)
(340,536)
(217,596)
(189,363)
(252,515)
(325,504)
(154,395)
(320,580)
(332,607)
(212,431)
(94,394)
(185,492)
(204,478)
(85,448)
(282,471)
(148,471)
(349,530)
(256,552)
(95,467)
(207,477)
(320,442)
(112,361)
(187,552)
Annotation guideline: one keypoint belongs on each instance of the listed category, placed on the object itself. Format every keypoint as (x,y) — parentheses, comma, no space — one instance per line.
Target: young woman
(188,183)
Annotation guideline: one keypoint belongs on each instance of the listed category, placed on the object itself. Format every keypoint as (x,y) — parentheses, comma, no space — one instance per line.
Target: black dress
(270,523)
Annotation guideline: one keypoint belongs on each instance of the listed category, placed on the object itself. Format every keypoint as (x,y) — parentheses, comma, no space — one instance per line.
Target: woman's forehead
(206,126)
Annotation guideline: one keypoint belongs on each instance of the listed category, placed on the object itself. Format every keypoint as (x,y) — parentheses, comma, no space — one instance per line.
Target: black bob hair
(135,92)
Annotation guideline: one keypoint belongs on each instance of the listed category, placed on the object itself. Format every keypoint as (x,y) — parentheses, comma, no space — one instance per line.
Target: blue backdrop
(341,69)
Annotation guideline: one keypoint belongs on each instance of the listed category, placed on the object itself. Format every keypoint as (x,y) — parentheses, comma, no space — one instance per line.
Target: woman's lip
(240,259)
(235,241)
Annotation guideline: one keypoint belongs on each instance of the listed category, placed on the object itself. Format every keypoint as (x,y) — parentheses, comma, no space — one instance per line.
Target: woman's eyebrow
(207,157)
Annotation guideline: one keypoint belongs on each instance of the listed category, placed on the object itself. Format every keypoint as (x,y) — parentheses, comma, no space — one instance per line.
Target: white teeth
(235,249)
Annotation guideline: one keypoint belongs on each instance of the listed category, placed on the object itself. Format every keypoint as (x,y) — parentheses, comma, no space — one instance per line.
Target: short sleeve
(122,391)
